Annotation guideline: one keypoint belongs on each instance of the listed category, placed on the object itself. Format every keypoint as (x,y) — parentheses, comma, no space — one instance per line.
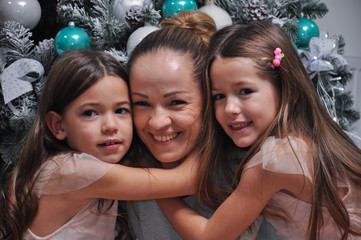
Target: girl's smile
(245,102)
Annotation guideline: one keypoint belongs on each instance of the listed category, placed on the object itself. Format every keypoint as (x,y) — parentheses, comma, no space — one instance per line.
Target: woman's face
(167,104)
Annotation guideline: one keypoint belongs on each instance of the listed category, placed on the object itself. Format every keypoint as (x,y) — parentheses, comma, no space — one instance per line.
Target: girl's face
(99,121)
(166,104)
(245,103)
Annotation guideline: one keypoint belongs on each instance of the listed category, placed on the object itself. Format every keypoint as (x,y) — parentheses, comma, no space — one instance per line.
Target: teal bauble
(306,30)
(71,38)
(173,7)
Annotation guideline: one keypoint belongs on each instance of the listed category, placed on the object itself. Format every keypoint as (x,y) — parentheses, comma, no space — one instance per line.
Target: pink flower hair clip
(278,57)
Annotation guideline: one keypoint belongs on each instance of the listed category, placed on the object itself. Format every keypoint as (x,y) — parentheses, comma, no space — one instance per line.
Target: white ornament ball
(137,36)
(26,12)
(121,7)
(219,15)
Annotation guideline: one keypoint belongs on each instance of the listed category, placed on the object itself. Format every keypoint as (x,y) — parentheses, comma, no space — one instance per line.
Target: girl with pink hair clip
(302,172)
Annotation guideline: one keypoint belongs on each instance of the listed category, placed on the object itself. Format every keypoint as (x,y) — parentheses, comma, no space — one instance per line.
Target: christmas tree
(116,26)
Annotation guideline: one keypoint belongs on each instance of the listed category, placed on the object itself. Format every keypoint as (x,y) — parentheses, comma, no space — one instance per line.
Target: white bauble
(137,36)
(121,7)
(219,15)
(26,12)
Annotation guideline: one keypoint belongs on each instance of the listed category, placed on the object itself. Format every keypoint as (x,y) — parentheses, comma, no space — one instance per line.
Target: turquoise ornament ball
(173,7)
(71,38)
(306,30)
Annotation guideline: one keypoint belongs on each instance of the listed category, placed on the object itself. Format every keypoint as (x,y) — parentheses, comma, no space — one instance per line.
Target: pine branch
(45,53)
(15,41)
(234,9)
(313,9)
(150,15)
(120,56)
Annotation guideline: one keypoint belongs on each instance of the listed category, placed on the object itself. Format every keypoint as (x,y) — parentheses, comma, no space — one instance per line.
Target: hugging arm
(235,214)
(129,183)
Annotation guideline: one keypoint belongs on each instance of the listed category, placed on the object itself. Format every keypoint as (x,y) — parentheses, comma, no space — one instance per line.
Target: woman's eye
(141,103)
(122,111)
(245,91)
(177,102)
(218,96)
(89,113)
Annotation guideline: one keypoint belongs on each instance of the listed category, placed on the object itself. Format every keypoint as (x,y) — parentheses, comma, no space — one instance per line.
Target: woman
(171,106)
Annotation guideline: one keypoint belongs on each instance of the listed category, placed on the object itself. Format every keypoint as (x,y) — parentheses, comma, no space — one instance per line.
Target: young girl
(302,171)
(82,129)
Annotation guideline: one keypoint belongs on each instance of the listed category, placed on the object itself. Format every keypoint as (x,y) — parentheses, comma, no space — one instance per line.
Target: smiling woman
(172,111)
(171,102)
(167,105)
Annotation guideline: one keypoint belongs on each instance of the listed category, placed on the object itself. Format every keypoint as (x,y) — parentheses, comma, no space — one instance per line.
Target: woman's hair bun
(198,22)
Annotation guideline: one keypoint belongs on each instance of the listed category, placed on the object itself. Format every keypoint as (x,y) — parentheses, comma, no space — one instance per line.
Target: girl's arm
(235,214)
(130,183)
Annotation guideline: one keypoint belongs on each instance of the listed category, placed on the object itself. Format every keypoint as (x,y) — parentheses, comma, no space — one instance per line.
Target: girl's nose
(159,119)
(109,124)
(233,106)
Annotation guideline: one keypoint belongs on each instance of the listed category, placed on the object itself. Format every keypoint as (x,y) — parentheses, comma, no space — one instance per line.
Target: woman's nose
(159,119)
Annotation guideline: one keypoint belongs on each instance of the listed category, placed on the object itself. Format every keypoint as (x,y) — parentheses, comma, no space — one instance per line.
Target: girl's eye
(177,102)
(122,111)
(245,91)
(218,97)
(89,113)
(141,103)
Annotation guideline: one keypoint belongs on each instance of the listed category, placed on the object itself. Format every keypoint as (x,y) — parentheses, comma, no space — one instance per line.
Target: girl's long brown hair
(70,76)
(335,156)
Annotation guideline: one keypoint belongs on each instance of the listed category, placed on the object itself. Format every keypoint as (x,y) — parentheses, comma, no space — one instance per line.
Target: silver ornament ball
(26,12)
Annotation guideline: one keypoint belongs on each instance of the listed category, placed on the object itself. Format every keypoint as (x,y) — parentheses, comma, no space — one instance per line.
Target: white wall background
(344,17)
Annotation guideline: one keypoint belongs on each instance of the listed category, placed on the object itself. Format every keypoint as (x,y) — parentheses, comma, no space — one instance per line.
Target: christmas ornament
(137,36)
(220,16)
(134,18)
(15,79)
(306,30)
(121,7)
(71,38)
(26,12)
(256,10)
(173,7)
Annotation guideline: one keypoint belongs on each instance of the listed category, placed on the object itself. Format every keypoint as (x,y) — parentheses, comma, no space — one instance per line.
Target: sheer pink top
(70,172)
(276,155)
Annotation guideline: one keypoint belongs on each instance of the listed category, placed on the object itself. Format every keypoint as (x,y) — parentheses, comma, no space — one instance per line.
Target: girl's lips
(110,144)
(238,126)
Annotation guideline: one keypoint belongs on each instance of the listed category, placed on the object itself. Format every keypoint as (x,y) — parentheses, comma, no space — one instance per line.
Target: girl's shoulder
(290,155)
(69,172)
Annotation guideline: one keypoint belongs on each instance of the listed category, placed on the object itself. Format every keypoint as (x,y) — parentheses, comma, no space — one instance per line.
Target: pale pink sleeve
(70,172)
(278,156)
